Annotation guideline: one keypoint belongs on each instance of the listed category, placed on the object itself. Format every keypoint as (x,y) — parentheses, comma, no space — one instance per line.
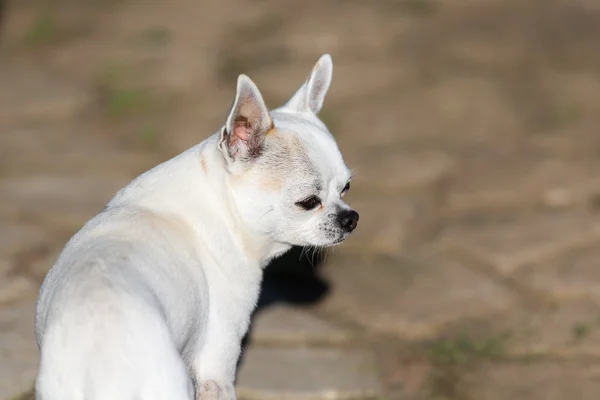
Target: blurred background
(473,130)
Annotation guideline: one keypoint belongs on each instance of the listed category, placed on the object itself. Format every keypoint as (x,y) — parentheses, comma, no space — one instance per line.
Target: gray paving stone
(19,356)
(26,254)
(399,172)
(13,288)
(64,200)
(292,325)
(453,112)
(400,199)
(411,297)
(574,275)
(35,94)
(493,183)
(50,148)
(567,330)
(15,237)
(546,380)
(307,373)
(523,239)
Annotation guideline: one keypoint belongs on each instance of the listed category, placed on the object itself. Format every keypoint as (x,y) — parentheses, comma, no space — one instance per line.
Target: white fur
(151,298)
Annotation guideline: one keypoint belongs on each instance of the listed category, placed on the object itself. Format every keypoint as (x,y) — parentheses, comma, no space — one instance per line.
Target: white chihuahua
(151,298)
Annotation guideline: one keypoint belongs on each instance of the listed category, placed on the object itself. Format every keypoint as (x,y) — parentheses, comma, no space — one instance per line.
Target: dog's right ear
(242,137)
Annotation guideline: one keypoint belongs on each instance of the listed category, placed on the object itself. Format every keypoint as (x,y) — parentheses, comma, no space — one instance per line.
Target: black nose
(348,220)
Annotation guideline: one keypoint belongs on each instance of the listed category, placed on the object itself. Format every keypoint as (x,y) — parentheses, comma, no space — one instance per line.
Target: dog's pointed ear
(242,137)
(311,95)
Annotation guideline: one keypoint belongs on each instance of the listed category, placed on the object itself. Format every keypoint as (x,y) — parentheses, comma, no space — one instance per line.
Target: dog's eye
(345,190)
(310,203)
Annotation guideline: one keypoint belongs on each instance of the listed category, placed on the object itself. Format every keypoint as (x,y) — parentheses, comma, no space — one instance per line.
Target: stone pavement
(473,274)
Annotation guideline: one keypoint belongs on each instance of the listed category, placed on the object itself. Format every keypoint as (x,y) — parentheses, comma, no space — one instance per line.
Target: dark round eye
(309,203)
(346,188)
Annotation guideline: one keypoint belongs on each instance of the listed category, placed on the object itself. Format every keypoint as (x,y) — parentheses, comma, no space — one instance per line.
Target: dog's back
(104,305)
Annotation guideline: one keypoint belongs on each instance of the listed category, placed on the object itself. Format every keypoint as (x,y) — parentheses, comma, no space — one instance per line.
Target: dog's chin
(336,242)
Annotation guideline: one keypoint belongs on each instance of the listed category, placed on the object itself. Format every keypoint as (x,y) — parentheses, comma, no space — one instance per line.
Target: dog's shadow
(293,279)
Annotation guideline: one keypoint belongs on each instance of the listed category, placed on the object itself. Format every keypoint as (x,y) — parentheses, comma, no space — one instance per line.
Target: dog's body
(155,293)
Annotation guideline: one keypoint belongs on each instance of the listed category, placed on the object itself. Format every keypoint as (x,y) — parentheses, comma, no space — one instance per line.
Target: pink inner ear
(241,129)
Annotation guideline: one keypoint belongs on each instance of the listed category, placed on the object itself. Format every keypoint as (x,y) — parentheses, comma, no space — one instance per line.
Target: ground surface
(472,126)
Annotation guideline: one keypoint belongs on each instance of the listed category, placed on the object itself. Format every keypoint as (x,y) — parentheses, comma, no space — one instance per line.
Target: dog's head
(288,177)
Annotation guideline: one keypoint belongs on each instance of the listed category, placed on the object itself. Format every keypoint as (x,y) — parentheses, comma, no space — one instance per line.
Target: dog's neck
(194,187)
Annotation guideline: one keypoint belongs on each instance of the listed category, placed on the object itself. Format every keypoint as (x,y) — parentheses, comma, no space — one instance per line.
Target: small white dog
(151,298)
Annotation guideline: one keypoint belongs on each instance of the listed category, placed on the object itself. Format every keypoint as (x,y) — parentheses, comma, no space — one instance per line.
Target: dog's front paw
(210,390)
